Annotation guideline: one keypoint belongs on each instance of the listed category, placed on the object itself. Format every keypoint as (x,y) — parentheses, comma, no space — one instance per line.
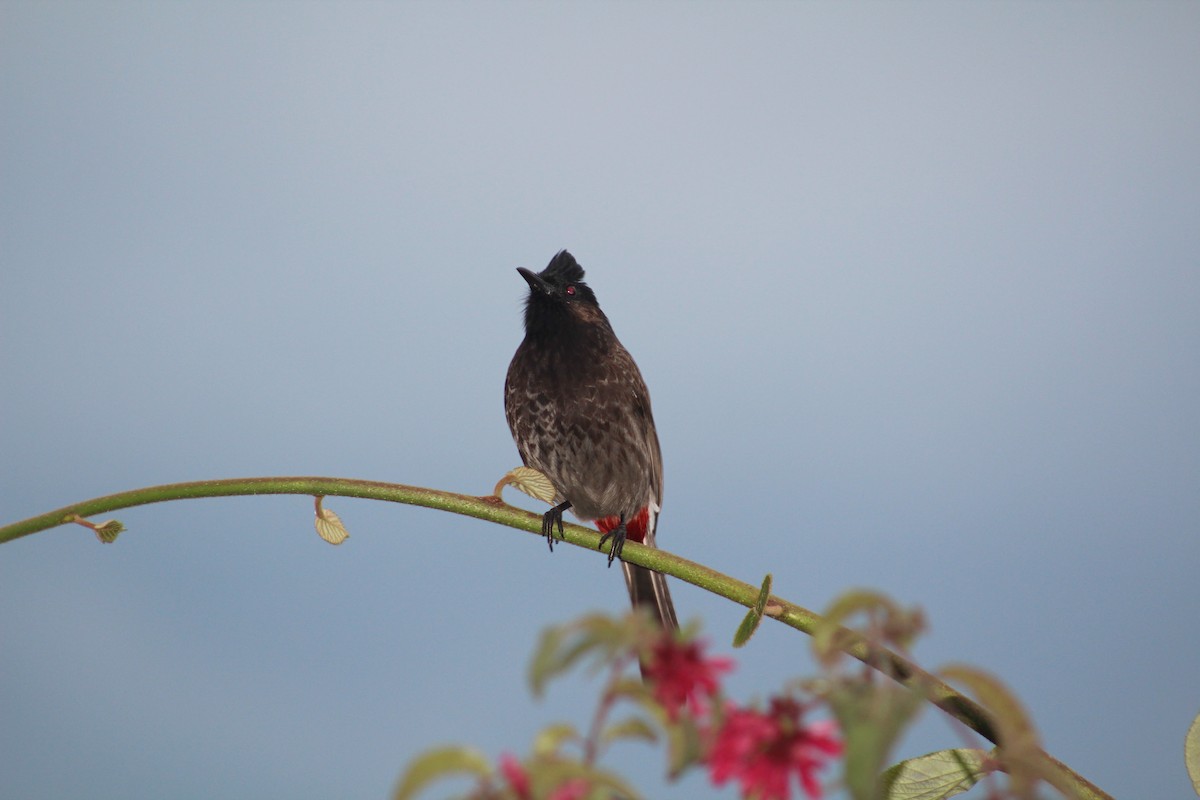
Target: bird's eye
(571,291)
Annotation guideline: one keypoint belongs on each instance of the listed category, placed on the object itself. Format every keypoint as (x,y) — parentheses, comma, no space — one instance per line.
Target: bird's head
(558,296)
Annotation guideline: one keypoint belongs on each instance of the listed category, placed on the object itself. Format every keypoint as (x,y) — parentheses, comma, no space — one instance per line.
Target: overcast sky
(915,288)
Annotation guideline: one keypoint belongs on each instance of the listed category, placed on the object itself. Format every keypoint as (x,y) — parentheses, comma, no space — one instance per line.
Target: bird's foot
(618,541)
(550,519)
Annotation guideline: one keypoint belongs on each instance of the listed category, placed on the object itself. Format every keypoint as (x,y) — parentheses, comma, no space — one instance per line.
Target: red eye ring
(571,290)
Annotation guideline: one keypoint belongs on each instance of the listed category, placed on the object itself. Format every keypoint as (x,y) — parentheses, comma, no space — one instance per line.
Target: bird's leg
(618,537)
(549,519)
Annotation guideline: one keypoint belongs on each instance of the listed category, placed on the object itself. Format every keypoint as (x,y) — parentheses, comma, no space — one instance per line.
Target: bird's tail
(648,589)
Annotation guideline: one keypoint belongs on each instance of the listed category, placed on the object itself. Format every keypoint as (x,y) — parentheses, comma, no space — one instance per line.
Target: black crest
(563,269)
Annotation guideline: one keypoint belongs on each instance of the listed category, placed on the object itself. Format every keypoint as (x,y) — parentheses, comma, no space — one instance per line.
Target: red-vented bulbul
(580,414)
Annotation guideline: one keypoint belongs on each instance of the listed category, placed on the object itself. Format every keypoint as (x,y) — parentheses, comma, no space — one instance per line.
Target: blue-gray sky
(915,288)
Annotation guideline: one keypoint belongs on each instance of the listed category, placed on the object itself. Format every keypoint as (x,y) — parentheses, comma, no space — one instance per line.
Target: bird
(580,414)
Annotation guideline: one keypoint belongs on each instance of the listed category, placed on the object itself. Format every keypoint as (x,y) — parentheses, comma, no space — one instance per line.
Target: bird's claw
(550,519)
(618,536)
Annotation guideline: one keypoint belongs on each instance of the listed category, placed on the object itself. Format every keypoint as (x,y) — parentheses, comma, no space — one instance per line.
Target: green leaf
(634,690)
(546,776)
(597,636)
(547,660)
(607,785)
(551,738)
(684,745)
(545,657)
(871,715)
(611,633)
(443,762)
(888,623)
(556,653)
(753,617)
(1191,753)
(934,776)
(107,532)
(632,728)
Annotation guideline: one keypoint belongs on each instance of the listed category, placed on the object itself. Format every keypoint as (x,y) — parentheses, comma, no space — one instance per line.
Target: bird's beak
(536,284)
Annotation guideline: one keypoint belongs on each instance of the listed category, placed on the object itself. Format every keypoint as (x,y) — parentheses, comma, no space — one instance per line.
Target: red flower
(682,676)
(762,750)
(516,776)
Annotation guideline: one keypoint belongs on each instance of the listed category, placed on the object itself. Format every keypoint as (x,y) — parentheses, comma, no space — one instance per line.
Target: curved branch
(494,509)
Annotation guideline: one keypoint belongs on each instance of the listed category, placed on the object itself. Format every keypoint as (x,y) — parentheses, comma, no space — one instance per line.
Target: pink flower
(763,750)
(516,776)
(682,676)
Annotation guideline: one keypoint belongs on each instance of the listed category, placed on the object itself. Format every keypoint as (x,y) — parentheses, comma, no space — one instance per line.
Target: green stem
(493,509)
